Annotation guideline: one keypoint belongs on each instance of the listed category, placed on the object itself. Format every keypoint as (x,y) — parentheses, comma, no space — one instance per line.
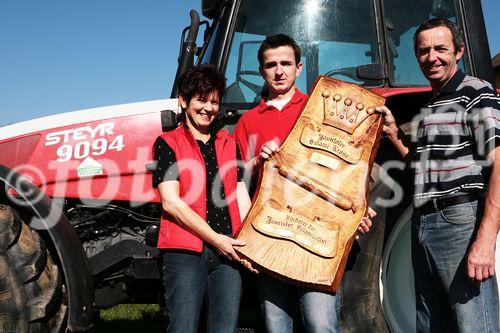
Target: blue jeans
(446,300)
(278,301)
(188,277)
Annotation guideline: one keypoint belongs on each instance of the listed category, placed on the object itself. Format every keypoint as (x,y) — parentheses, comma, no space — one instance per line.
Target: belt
(438,204)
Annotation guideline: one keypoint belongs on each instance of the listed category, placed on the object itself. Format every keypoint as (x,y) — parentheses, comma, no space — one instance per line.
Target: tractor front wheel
(31,290)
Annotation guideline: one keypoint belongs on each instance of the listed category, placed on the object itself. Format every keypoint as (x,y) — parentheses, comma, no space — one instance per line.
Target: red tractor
(78,214)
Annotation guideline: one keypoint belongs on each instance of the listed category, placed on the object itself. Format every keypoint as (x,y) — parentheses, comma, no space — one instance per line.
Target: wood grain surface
(313,192)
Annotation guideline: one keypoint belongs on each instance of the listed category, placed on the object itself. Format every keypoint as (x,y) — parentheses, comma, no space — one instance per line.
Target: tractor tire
(378,289)
(31,291)
(365,295)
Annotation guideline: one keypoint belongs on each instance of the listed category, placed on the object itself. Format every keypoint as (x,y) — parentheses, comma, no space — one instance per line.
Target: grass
(125,318)
(128,318)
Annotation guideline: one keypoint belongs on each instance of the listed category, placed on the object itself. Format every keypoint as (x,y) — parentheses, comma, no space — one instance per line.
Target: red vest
(192,185)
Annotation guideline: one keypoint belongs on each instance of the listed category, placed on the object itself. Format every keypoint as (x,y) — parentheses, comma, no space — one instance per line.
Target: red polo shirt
(265,122)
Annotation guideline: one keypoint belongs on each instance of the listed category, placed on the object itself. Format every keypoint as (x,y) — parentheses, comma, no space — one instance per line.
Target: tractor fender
(49,217)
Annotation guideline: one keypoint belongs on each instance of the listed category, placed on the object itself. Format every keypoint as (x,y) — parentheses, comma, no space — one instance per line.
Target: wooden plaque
(313,192)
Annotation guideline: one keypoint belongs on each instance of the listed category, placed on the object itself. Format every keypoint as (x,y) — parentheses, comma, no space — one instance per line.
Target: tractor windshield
(348,40)
(335,37)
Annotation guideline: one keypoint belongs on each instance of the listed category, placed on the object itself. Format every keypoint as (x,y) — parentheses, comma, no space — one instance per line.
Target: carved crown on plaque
(343,112)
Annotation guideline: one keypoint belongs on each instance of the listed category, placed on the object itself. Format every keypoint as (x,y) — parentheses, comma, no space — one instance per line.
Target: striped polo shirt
(457,130)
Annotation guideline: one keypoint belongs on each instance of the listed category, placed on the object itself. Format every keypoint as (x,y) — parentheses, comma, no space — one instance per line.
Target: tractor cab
(367,42)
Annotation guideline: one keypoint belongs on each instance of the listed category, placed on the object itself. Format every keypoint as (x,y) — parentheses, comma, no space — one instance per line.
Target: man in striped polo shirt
(456,219)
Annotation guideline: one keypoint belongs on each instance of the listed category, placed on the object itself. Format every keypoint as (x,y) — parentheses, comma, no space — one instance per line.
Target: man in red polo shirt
(265,127)
(259,133)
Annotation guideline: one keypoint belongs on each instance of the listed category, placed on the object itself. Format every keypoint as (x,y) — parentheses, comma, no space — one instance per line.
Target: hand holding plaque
(313,192)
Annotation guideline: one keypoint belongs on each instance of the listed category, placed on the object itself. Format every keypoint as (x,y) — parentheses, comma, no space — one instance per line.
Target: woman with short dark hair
(203,199)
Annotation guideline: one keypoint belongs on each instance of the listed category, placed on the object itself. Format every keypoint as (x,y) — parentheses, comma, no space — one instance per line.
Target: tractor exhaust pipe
(187,49)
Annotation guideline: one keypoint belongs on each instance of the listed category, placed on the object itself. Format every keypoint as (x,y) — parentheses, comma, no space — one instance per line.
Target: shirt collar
(298,97)
(215,131)
(452,85)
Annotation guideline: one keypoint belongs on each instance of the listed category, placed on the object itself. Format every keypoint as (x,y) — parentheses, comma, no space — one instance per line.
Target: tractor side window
(402,20)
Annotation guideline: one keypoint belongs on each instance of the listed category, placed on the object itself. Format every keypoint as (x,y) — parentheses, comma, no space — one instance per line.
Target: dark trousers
(188,278)
(446,300)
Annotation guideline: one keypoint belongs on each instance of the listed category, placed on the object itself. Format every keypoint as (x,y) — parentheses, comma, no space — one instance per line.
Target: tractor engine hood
(97,153)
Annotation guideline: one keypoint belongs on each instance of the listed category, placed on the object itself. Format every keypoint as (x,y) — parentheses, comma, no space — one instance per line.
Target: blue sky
(64,55)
